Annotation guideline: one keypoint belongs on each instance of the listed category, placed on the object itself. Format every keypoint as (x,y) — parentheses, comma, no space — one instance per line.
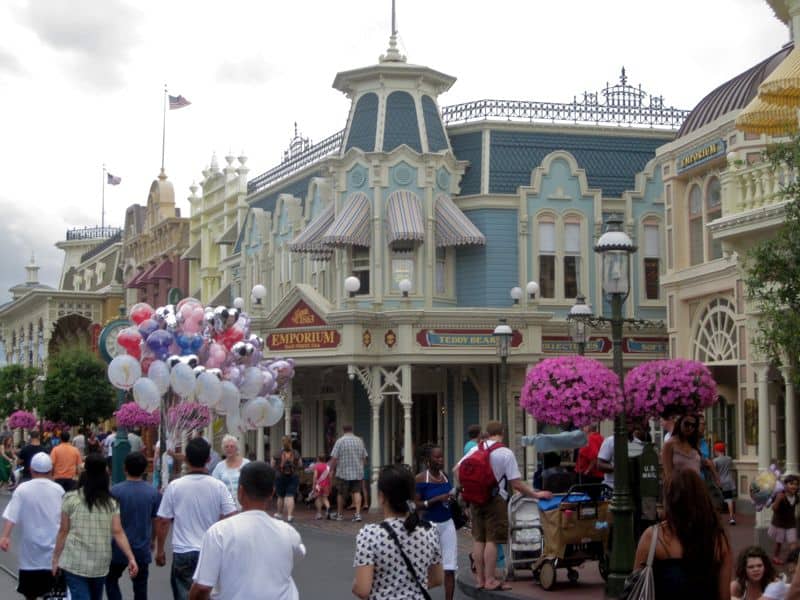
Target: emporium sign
(698,156)
(462,338)
(313,337)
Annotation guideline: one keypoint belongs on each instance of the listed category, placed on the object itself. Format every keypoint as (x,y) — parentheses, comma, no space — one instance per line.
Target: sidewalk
(589,585)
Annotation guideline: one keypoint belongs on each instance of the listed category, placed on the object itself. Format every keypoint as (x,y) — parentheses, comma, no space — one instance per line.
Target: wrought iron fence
(117,237)
(92,233)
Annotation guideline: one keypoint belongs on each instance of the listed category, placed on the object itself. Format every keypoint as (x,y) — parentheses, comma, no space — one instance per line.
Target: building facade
(438,213)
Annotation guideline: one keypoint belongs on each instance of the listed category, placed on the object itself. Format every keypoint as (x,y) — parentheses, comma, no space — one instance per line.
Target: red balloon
(140,312)
(230,336)
(130,340)
(146,362)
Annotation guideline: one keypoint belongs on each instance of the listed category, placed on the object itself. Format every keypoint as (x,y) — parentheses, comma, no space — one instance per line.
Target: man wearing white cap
(36,508)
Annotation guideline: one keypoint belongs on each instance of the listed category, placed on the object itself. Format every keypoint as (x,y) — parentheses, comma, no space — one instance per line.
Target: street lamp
(577,318)
(258,293)
(615,247)
(532,288)
(516,294)
(351,285)
(405,286)
(502,336)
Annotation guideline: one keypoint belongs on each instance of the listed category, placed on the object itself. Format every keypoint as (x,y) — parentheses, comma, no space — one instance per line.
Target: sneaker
(338,517)
(289,519)
(357,518)
(732,522)
(318,517)
(277,515)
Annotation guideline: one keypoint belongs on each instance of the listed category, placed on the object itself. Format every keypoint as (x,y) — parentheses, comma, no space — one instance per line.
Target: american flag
(176,102)
(112,179)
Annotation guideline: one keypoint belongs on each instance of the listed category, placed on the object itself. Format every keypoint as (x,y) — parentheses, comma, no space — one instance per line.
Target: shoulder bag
(410,567)
(639,585)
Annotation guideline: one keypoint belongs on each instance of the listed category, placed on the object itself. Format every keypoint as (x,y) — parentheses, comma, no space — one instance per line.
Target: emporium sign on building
(315,334)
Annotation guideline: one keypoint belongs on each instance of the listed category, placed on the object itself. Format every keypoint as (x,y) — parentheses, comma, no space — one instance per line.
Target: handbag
(457,513)
(410,567)
(639,585)
(58,590)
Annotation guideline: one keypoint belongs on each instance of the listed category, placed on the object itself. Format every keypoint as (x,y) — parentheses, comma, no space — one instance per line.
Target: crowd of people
(79,532)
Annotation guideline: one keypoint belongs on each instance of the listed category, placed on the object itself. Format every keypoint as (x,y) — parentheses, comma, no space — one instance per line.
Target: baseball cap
(41,463)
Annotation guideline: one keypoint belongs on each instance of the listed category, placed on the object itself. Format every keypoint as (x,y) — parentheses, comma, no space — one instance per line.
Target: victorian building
(437,215)
(40,319)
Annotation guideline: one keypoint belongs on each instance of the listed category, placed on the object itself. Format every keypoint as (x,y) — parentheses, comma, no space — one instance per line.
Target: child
(322,486)
(783,528)
(724,465)
(778,590)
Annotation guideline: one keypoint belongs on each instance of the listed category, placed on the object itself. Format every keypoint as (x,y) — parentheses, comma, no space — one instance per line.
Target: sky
(82,83)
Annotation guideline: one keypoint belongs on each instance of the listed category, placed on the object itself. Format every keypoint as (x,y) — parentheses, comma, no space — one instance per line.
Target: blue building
(444,219)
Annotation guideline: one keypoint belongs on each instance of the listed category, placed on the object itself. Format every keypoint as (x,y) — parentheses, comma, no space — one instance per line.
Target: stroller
(562,532)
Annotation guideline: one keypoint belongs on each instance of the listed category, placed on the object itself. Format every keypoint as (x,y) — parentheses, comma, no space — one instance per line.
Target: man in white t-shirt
(36,508)
(192,504)
(490,521)
(250,555)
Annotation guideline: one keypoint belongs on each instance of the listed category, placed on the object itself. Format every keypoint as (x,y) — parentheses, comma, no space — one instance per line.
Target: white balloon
(159,373)
(251,382)
(123,371)
(145,393)
(182,380)
(234,423)
(255,412)
(275,410)
(208,389)
(230,399)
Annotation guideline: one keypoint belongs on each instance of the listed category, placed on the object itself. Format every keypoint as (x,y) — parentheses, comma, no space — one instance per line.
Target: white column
(406,401)
(763,517)
(260,443)
(287,410)
(792,457)
(375,401)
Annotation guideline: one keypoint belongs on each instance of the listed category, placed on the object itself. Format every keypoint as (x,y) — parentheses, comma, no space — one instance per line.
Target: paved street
(326,573)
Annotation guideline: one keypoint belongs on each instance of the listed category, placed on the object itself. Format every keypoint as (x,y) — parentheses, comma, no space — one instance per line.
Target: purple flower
(22,419)
(571,390)
(655,386)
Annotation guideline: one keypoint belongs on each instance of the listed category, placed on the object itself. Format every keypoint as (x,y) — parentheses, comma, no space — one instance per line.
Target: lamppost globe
(259,292)
(532,289)
(352,284)
(578,319)
(405,286)
(238,302)
(616,247)
(516,294)
(502,334)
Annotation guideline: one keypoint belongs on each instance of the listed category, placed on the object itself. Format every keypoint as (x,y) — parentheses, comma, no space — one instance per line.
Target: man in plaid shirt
(348,458)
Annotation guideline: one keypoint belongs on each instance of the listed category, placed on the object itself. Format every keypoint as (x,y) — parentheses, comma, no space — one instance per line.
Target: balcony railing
(754,186)
(92,233)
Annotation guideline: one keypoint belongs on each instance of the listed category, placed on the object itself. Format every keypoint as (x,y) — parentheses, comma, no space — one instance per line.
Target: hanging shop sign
(602,345)
(697,156)
(462,338)
(645,345)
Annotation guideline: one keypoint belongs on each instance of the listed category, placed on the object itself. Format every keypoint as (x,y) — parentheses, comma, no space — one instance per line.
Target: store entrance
(424,424)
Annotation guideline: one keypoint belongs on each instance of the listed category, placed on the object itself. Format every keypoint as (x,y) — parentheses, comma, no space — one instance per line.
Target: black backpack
(287,465)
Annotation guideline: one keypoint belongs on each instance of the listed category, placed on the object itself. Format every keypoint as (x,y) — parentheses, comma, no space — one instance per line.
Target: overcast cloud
(56,55)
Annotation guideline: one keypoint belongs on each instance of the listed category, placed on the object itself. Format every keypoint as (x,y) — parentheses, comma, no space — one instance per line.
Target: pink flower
(131,414)
(653,387)
(22,419)
(571,390)
(186,416)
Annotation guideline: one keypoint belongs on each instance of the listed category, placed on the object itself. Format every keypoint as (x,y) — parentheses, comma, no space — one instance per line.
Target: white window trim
(649,220)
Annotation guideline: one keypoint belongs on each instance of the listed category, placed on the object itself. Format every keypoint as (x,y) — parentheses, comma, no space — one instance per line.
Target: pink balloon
(192,318)
(216,356)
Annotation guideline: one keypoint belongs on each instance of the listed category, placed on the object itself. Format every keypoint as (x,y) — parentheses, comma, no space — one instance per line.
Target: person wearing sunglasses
(681,452)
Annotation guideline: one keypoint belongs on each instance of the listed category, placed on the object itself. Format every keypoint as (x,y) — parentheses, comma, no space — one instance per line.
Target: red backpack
(478,484)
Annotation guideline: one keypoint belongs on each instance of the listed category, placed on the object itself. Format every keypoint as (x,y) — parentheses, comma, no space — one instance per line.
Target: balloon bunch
(188,354)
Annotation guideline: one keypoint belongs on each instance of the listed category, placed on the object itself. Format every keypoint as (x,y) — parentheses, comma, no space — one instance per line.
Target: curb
(466,584)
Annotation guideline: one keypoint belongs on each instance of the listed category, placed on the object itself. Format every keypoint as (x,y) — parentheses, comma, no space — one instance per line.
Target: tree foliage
(16,388)
(77,390)
(772,271)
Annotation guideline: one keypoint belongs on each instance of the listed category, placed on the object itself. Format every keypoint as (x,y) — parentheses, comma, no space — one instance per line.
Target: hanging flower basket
(659,386)
(571,390)
(131,414)
(22,419)
(51,426)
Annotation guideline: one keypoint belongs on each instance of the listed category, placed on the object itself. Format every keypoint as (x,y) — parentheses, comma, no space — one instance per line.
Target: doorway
(424,424)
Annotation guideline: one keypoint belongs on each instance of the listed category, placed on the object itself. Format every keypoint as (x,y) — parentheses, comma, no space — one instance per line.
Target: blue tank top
(439,512)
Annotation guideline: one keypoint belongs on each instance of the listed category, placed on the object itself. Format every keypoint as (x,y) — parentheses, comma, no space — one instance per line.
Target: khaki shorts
(490,521)
(348,486)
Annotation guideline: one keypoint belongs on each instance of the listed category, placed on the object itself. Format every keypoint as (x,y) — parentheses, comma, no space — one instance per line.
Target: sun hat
(41,463)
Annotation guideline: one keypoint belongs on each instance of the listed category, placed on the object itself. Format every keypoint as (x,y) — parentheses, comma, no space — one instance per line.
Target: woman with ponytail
(399,558)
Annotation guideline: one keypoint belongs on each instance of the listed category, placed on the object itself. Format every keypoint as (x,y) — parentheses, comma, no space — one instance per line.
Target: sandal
(500,587)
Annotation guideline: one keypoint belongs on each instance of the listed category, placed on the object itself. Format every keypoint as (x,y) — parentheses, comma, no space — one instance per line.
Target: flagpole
(164,127)
(103,204)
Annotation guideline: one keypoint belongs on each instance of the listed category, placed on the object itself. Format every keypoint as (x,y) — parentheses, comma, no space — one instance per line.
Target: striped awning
(351,227)
(310,239)
(404,218)
(162,271)
(782,87)
(193,253)
(145,278)
(453,228)
(136,280)
(763,117)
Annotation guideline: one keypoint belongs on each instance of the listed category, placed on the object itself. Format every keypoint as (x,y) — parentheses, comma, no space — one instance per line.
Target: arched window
(713,211)
(651,256)
(695,225)
(715,339)
(572,256)
(547,256)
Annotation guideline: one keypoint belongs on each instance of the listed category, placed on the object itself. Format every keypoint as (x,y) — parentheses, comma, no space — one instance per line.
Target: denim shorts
(286,485)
